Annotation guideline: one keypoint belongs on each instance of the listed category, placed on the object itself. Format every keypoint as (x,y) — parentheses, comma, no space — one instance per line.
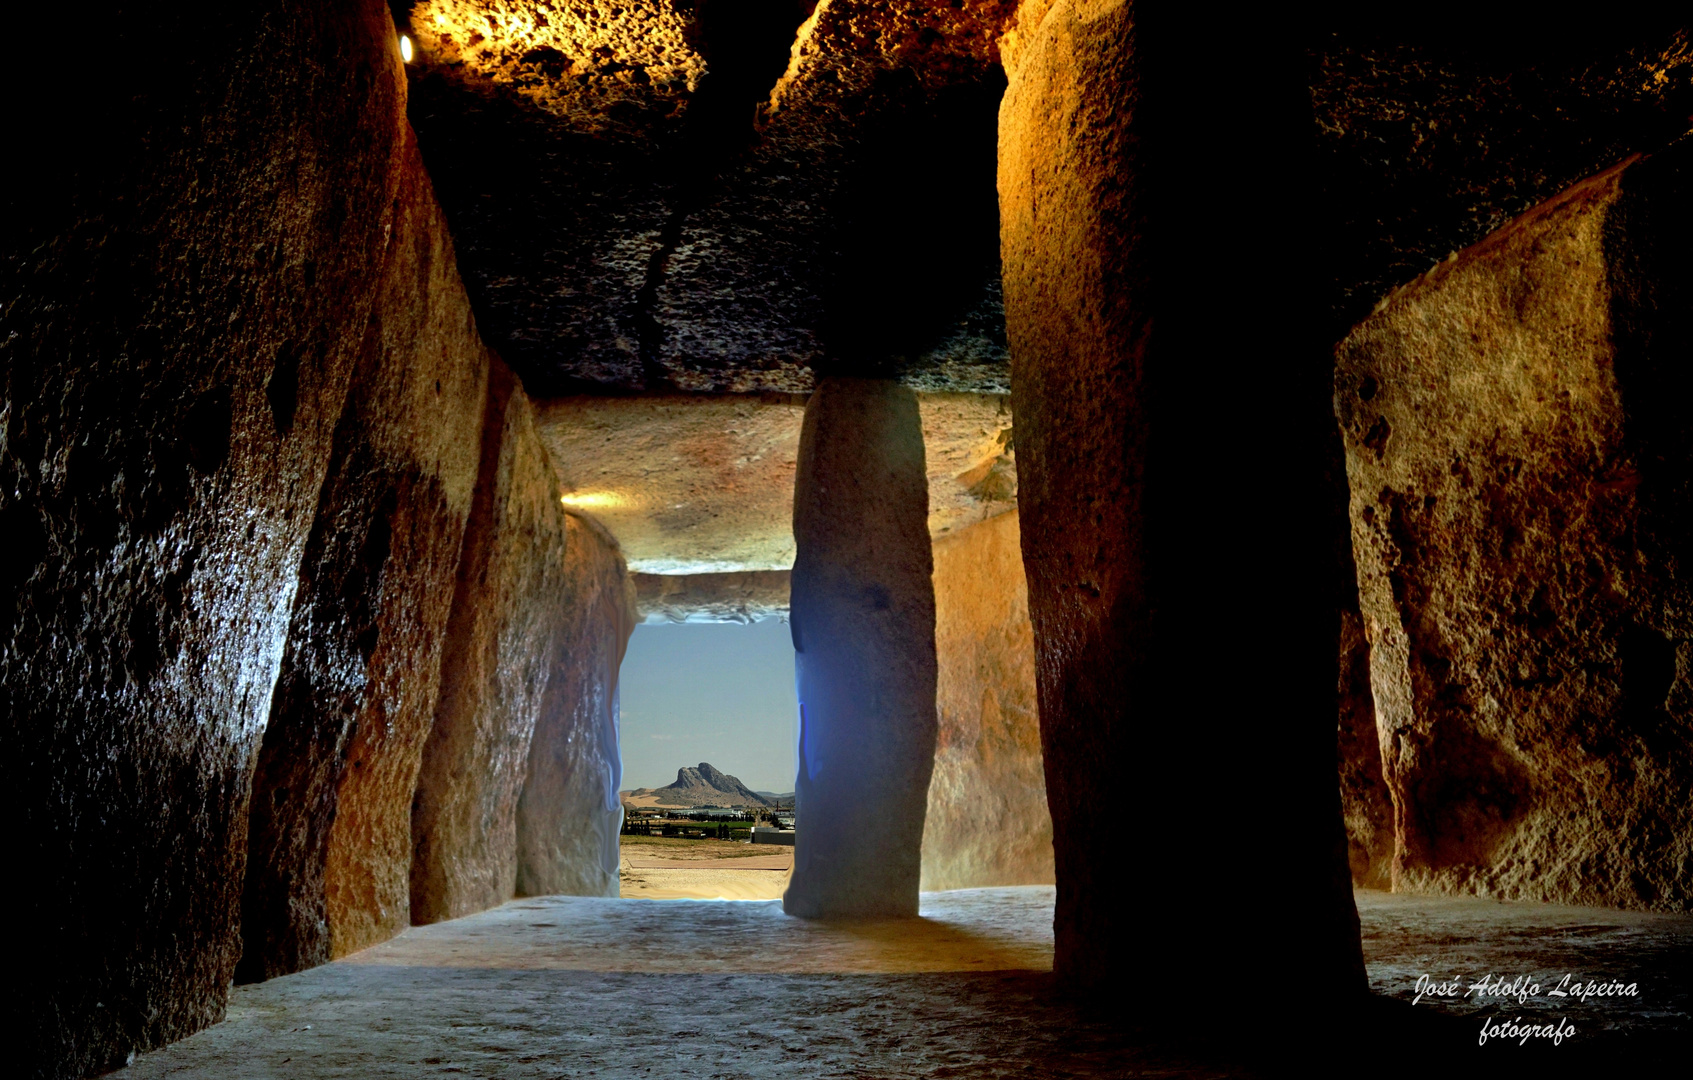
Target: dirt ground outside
(723,870)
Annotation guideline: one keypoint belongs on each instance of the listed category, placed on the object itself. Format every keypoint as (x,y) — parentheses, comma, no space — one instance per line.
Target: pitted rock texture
(595,64)
(736,598)
(863,622)
(510,608)
(834,213)
(1520,461)
(987,822)
(186,292)
(548,131)
(1138,403)
(569,815)
(1432,137)
(709,249)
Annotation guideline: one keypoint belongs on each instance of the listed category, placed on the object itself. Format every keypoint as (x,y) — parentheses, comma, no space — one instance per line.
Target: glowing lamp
(593,500)
(405,48)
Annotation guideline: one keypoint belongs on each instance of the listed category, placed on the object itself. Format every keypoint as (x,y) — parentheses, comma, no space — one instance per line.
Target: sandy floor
(659,868)
(1408,937)
(556,987)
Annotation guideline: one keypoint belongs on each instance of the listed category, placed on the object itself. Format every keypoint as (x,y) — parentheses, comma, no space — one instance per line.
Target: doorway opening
(708,731)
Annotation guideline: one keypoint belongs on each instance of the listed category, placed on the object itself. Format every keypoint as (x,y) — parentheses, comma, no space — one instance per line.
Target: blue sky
(715,692)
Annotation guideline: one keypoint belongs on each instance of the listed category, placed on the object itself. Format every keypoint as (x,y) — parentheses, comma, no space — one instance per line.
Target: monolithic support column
(1171,396)
(863,617)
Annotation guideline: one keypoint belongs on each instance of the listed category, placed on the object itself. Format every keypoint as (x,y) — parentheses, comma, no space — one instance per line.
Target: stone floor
(577,987)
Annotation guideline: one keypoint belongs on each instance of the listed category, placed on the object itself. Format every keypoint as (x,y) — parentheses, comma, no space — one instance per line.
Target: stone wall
(509,610)
(1519,454)
(569,816)
(1365,804)
(987,822)
(357,690)
(187,293)
(331,836)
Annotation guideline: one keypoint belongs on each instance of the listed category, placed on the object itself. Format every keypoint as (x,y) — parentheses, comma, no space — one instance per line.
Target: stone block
(509,607)
(1179,539)
(987,822)
(569,816)
(1520,461)
(863,621)
(330,832)
(186,297)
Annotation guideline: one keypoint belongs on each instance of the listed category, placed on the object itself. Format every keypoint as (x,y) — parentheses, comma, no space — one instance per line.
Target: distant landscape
(704,785)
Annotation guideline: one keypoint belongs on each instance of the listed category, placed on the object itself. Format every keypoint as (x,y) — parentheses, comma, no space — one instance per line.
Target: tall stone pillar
(863,617)
(1174,457)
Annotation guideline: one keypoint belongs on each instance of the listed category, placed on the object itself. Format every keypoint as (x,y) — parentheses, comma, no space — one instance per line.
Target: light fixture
(405,48)
(593,500)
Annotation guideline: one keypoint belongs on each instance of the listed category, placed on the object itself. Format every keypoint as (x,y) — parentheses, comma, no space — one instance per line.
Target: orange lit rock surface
(329,847)
(987,822)
(509,607)
(587,63)
(568,817)
(1170,448)
(1519,456)
(186,296)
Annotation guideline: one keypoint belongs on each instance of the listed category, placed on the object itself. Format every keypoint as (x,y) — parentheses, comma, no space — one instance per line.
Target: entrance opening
(708,730)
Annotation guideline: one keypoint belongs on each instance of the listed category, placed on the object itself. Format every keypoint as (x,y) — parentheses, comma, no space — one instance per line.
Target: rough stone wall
(1178,538)
(863,622)
(186,291)
(569,816)
(507,615)
(734,175)
(987,822)
(330,832)
(1365,805)
(830,213)
(1520,460)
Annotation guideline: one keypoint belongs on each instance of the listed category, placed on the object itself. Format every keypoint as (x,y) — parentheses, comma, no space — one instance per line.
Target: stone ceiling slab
(696,484)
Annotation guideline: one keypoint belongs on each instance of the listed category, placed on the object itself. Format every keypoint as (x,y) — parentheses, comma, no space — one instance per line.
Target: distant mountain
(702,786)
(774,797)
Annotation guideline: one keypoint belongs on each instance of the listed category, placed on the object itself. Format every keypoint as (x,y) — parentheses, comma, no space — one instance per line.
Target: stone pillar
(863,618)
(1170,385)
(1520,450)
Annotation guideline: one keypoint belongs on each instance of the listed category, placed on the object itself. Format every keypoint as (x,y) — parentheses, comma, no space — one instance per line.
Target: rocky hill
(702,786)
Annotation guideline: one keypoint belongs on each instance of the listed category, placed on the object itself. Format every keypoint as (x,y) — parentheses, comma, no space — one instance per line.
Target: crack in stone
(748,46)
